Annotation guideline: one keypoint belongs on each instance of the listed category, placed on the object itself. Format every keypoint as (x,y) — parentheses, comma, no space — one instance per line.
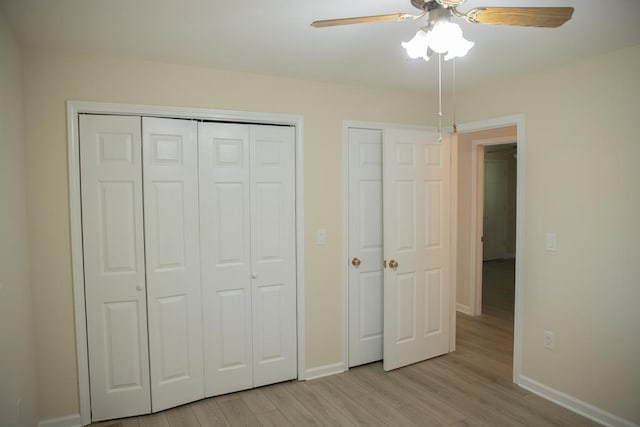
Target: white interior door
(273,255)
(417,237)
(170,163)
(495,208)
(365,245)
(111,175)
(225,256)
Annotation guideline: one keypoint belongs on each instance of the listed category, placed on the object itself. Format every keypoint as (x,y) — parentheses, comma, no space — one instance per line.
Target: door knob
(355,262)
(393,264)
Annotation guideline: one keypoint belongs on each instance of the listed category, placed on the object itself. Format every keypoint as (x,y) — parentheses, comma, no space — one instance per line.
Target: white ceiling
(274,36)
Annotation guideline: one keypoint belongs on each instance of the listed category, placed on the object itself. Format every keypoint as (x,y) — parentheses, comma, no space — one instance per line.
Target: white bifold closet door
(112,227)
(172,242)
(142,270)
(247,228)
(180,217)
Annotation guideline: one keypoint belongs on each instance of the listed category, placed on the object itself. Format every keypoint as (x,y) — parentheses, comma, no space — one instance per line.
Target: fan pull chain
(453,102)
(439,97)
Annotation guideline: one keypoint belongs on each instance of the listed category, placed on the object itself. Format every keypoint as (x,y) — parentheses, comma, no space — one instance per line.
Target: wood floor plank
(411,396)
(130,422)
(257,401)
(454,389)
(236,411)
(353,412)
(154,420)
(509,405)
(326,413)
(123,422)
(209,413)
(182,416)
(295,412)
(370,399)
(274,419)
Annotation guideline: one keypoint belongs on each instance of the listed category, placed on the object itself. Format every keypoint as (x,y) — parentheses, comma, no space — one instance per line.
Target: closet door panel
(225,256)
(113,250)
(273,253)
(170,154)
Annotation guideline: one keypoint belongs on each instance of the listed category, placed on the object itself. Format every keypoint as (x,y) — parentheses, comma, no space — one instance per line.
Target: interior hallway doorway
(486,243)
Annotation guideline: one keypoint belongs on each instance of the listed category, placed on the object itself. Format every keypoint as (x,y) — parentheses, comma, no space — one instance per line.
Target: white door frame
(518,121)
(477,219)
(74,108)
(344,364)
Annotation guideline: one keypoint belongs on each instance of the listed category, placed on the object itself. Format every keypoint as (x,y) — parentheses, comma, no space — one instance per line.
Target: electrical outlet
(549,340)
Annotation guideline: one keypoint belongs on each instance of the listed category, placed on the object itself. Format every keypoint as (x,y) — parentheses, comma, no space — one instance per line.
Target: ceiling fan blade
(550,17)
(363,19)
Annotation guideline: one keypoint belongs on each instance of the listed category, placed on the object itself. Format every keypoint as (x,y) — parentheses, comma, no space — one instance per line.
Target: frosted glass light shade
(417,46)
(444,37)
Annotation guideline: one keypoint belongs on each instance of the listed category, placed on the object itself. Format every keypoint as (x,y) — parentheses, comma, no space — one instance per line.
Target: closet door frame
(74,109)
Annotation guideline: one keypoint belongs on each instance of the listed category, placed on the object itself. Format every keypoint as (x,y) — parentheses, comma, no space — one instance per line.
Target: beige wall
(17,350)
(51,79)
(463,250)
(583,182)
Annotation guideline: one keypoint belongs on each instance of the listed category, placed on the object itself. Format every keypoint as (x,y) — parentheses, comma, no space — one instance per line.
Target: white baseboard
(576,405)
(324,371)
(68,421)
(463,309)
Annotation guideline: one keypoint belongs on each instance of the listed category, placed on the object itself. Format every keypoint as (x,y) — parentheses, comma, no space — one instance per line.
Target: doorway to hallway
(489,288)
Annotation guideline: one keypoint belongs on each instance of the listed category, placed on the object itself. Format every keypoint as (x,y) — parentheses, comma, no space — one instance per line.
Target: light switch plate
(321,236)
(549,340)
(550,242)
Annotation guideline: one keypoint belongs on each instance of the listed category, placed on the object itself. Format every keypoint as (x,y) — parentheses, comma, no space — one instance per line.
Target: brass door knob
(355,262)
(393,264)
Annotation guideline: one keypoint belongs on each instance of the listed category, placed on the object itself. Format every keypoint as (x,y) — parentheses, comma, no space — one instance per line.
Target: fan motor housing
(429,5)
(425,5)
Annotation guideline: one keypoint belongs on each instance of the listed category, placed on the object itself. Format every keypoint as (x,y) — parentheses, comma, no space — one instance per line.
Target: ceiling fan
(550,17)
(443,36)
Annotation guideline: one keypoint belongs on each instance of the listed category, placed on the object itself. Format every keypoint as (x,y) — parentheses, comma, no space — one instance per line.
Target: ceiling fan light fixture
(417,46)
(442,35)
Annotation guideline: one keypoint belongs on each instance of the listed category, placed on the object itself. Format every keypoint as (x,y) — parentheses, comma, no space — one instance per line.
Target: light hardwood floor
(469,387)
